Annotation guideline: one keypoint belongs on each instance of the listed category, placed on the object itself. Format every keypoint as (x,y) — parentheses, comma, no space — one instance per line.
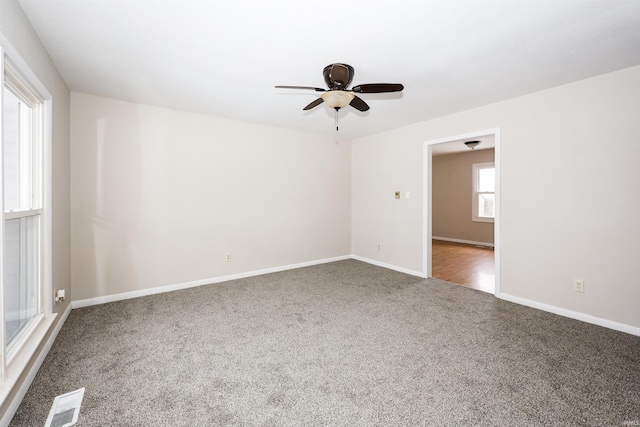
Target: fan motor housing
(338,76)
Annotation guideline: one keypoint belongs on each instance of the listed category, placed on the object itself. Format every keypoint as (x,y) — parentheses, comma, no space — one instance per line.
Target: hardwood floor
(466,265)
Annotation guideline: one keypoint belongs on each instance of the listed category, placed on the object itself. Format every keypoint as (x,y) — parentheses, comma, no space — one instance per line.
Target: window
(25,231)
(484,192)
(22,208)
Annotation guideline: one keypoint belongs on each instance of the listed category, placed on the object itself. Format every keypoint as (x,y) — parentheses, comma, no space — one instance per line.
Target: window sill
(24,354)
(491,220)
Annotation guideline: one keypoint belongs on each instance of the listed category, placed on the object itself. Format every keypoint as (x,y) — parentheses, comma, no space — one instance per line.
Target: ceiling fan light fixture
(337,98)
(472,144)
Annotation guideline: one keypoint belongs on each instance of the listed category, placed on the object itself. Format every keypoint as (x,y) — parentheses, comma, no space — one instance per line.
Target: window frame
(30,204)
(475,181)
(15,360)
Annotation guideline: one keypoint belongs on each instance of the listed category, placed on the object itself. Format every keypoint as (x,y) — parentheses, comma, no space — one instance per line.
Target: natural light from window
(484,192)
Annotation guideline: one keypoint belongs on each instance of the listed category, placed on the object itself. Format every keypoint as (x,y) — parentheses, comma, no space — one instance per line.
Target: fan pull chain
(337,109)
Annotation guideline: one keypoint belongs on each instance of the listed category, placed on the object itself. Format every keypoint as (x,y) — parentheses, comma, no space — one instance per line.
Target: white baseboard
(169,288)
(24,387)
(573,314)
(468,242)
(389,266)
(522,301)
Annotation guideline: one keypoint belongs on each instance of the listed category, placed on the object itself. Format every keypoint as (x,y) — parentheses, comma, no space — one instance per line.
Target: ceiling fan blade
(378,88)
(358,104)
(314,104)
(317,89)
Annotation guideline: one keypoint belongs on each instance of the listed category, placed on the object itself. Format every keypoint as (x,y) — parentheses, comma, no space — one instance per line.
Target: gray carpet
(340,344)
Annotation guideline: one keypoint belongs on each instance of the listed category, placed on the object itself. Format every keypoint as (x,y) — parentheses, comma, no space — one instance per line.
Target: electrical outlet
(227,257)
(578,285)
(379,246)
(59,296)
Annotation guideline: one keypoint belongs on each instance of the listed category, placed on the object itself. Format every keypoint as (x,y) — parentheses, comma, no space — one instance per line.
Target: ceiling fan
(338,77)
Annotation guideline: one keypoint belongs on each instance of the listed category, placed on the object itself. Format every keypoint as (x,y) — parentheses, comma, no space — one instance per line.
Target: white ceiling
(223,58)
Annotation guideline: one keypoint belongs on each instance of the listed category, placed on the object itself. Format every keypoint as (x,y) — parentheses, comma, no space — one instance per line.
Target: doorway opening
(462,210)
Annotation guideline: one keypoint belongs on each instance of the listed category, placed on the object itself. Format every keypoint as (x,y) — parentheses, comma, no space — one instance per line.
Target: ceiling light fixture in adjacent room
(472,144)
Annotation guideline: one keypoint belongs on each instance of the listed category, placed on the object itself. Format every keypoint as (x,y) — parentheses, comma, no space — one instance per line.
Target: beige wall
(574,148)
(160,196)
(15,26)
(452,197)
(381,165)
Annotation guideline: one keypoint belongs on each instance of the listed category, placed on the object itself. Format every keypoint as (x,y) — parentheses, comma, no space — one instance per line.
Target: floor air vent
(65,409)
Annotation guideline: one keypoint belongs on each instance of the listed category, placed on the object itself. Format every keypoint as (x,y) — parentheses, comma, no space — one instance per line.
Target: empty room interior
(348,213)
